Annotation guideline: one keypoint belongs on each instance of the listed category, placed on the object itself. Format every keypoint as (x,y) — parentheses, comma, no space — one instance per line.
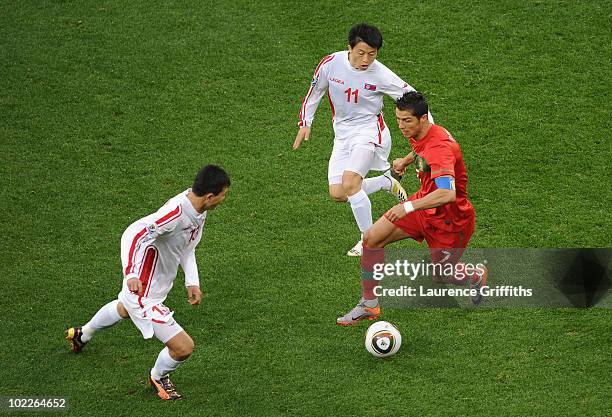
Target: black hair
(363,32)
(210,179)
(414,102)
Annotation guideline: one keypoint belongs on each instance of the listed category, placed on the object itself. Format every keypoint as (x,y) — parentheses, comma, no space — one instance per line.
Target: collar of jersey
(189,209)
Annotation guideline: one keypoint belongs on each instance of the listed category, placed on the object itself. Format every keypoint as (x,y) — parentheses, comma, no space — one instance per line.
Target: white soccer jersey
(153,247)
(356,97)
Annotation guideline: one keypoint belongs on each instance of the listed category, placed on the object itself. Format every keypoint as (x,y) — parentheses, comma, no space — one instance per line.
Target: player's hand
(194,295)
(399,166)
(303,134)
(135,286)
(396,213)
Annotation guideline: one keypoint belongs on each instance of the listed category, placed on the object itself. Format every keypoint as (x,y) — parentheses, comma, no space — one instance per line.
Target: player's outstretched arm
(303,134)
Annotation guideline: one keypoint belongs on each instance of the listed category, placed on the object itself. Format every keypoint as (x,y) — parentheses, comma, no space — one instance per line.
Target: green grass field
(109,108)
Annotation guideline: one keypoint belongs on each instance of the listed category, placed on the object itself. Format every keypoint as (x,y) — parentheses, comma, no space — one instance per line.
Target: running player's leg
(383,233)
(358,199)
(338,163)
(376,238)
(480,277)
(381,163)
(385,182)
(179,347)
(447,247)
(109,315)
(336,192)
(360,161)
(335,168)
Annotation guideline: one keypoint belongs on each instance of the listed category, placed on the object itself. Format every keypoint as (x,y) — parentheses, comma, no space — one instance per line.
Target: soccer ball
(383,339)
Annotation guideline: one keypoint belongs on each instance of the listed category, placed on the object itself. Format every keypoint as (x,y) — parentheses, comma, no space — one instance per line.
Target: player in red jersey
(439,212)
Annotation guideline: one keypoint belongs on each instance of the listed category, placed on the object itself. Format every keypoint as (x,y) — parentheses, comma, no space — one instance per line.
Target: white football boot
(357,249)
(396,188)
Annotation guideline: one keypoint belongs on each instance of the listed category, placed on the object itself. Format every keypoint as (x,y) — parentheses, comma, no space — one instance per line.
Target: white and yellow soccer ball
(383,339)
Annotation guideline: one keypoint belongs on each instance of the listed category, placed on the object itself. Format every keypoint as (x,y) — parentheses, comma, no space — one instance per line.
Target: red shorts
(417,226)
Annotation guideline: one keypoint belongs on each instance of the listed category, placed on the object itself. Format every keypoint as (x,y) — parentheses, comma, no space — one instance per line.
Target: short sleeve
(441,161)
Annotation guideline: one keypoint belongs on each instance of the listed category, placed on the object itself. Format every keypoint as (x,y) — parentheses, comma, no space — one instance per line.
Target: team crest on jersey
(152,228)
(420,164)
(370,87)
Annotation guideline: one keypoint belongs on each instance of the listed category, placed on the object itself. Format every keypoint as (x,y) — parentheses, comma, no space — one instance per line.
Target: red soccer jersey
(438,154)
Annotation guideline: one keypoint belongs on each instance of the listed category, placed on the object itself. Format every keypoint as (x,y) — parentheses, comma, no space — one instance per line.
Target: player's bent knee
(337,193)
(367,239)
(122,310)
(351,182)
(191,345)
(372,240)
(180,346)
(185,349)
(181,353)
(351,187)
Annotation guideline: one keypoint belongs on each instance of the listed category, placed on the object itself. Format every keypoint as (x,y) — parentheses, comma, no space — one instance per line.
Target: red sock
(369,258)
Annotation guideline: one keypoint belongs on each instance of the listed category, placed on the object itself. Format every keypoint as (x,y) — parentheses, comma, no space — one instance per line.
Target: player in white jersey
(152,248)
(356,84)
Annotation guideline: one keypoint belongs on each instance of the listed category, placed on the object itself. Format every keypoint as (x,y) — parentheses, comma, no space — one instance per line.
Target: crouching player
(151,250)
(439,212)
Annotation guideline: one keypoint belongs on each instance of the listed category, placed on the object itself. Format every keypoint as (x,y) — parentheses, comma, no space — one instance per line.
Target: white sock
(105,317)
(374,184)
(362,210)
(164,364)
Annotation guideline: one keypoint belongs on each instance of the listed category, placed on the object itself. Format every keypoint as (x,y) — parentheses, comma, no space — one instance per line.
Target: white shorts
(359,155)
(152,320)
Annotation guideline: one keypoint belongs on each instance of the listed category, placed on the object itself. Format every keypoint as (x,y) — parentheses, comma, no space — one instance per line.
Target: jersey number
(350,92)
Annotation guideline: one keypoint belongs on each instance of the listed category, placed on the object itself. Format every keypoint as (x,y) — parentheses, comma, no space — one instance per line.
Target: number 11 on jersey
(350,92)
